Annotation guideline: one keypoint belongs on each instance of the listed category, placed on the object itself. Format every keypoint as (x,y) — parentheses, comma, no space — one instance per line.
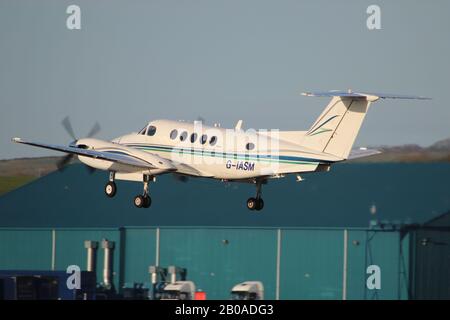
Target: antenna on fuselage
(201,119)
(238,126)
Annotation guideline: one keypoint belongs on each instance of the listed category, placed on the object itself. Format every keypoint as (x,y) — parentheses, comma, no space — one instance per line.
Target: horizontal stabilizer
(335,130)
(362,152)
(363,95)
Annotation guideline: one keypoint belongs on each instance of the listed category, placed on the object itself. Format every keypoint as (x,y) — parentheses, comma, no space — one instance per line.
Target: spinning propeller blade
(69,129)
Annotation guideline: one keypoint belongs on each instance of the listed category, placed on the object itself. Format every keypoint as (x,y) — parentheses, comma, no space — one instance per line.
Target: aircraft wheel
(251,203)
(147,201)
(259,204)
(110,189)
(139,201)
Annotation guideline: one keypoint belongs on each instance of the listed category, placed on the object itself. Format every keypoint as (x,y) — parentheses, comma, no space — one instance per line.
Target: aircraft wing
(188,170)
(102,155)
(362,152)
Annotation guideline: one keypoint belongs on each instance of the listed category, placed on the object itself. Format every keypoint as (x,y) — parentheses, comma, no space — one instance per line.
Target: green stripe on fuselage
(221,155)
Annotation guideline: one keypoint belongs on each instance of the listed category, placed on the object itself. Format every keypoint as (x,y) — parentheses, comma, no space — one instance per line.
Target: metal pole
(277,288)
(157,248)
(53,249)
(344,271)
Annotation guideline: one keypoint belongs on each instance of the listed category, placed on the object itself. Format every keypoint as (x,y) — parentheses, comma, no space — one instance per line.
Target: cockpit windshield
(143,130)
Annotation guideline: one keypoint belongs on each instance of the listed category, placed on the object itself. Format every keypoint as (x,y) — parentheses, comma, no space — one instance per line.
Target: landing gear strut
(110,187)
(143,200)
(256,203)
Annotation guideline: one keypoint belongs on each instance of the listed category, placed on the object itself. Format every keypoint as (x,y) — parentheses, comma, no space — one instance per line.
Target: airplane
(254,156)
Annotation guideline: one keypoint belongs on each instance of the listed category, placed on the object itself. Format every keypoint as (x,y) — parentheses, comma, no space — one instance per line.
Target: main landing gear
(143,200)
(256,203)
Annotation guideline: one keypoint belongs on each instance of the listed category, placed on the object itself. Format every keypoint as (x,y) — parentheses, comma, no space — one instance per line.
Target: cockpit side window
(151,131)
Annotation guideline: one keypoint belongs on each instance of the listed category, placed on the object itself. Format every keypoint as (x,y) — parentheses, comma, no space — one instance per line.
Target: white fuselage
(213,152)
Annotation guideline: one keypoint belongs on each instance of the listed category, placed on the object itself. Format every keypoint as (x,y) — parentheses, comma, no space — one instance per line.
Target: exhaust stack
(108,247)
(174,271)
(91,247)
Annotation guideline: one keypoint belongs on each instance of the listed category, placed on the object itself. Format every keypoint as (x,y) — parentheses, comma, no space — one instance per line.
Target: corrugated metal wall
(70,249)
(432,257)
(25,249)
(217,259)
(293,263)
(311,264)
(139,253)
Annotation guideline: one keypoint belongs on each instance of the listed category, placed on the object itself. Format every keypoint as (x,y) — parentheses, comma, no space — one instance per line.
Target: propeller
(94,130)
(69,129)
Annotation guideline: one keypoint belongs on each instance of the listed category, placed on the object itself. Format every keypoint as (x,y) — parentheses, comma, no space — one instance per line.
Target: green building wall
(139,253)
(25,249)
(70,250)
(292,263)
(217,259)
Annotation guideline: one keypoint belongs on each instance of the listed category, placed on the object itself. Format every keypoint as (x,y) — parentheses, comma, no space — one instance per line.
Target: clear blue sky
(135,61)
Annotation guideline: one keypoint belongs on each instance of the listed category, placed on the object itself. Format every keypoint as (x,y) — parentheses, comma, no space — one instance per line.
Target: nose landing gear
(256,203)
(110,187)
(142,201)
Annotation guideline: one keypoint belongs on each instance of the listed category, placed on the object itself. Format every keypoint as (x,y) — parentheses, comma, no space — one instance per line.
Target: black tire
(259,204)
(110,189)
(251,203)
(139,201)
(147,201)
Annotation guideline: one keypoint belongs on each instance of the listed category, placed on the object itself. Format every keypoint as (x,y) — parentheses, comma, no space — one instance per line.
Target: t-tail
(335,130)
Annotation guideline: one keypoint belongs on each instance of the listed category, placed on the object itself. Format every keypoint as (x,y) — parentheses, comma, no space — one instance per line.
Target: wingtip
(16,139)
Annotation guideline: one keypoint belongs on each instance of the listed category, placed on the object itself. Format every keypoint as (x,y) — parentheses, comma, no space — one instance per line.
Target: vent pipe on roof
(108,247)
(157,274)
(91,247)
(173,271)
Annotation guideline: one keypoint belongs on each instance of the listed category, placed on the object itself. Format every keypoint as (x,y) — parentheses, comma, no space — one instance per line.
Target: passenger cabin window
(250,146)
(203,139)
(151,131)
(193,137)
(213,140)
(173,134)
(183,136)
